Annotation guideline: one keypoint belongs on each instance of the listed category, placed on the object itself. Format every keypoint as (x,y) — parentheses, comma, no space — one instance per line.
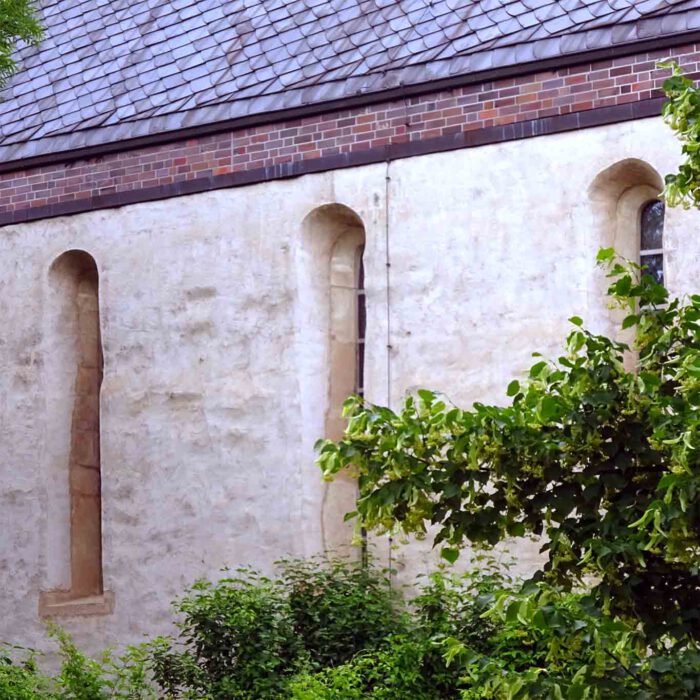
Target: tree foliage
(682,113)
(18,23)
(601,460)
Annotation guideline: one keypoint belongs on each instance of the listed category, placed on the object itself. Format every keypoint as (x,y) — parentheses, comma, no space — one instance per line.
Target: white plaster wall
(212,397)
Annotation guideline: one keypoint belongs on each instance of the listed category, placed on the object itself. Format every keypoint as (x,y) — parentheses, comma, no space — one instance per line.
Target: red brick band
(577,97)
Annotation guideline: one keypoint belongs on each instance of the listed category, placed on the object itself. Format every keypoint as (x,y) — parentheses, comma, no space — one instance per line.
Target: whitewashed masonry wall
(215,377)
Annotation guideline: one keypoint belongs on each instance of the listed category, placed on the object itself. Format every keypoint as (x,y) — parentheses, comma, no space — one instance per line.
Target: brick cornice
(460,140)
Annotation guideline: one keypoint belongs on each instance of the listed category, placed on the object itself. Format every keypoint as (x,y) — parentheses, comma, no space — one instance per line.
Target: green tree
(682,114)
(18,23)
(600,460)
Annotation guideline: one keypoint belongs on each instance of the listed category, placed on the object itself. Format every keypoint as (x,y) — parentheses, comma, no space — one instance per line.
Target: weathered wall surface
(213,392)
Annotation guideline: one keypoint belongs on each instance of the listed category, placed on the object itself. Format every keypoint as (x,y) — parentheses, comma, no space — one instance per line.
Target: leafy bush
(245,636)
(237,640)
(339,608)
(552,643)
(395,671)
(80,678)
(21,680)
(477,635)
(454,605)
(412,663)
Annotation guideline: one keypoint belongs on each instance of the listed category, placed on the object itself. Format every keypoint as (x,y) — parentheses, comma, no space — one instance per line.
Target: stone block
(85,448)
(84,481)
(86,544)
(86,412)
(88,381)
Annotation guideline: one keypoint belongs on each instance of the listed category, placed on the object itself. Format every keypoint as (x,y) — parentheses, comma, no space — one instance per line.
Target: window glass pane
(652,226)
(361,327)
(361,317)
(655,266)
(360,369)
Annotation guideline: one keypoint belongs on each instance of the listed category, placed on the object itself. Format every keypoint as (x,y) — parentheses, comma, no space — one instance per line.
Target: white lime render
(217,342)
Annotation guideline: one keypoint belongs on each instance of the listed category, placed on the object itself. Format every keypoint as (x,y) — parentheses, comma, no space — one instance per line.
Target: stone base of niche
(67,604)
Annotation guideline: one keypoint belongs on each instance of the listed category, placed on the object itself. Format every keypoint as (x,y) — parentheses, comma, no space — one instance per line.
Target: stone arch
(75,501)
(333,239)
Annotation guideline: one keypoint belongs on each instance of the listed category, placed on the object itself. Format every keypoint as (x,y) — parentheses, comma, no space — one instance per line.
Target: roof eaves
(372,87)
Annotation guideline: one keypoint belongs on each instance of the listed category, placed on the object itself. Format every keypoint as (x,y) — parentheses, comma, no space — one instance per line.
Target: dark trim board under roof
(117,74)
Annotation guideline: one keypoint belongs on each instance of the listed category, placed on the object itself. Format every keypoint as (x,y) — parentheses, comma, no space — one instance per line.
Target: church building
(219,219)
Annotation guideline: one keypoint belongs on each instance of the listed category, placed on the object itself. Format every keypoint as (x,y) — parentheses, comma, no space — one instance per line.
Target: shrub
(246,636)
(329,630)
(553,643)
(396,671)
(21,680)
(122,677)
(453,605)
(339,608)
(412,663)
(237,641)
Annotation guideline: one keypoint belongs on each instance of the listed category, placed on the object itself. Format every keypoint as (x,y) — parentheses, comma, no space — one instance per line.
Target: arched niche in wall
(619,195)
(334,319)
(623,197)
(75,367)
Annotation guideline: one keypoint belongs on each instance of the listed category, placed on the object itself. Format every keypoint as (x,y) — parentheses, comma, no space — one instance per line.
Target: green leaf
(513,387)
(661,664)
(537,368)
(576,320)
(450,554)
(516,529)
(605,255)
(631,320)
(427,396)
(549,409)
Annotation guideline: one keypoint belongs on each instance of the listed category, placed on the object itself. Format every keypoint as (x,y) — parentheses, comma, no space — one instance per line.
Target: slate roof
(110,70)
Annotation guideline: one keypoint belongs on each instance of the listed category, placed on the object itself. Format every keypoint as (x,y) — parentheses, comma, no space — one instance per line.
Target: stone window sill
(67,604)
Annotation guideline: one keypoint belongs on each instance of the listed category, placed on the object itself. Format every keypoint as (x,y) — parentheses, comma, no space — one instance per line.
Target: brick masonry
(340,138)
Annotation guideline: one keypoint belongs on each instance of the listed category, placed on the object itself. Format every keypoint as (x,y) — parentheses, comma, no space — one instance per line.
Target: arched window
(74,400)
(334,327)
(651,239)
(627,216)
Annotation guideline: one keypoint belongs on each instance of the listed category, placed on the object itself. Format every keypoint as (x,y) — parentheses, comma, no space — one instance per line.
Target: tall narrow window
(651,244)
(361,325)
(334,330)
(361,314)
(78,364)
